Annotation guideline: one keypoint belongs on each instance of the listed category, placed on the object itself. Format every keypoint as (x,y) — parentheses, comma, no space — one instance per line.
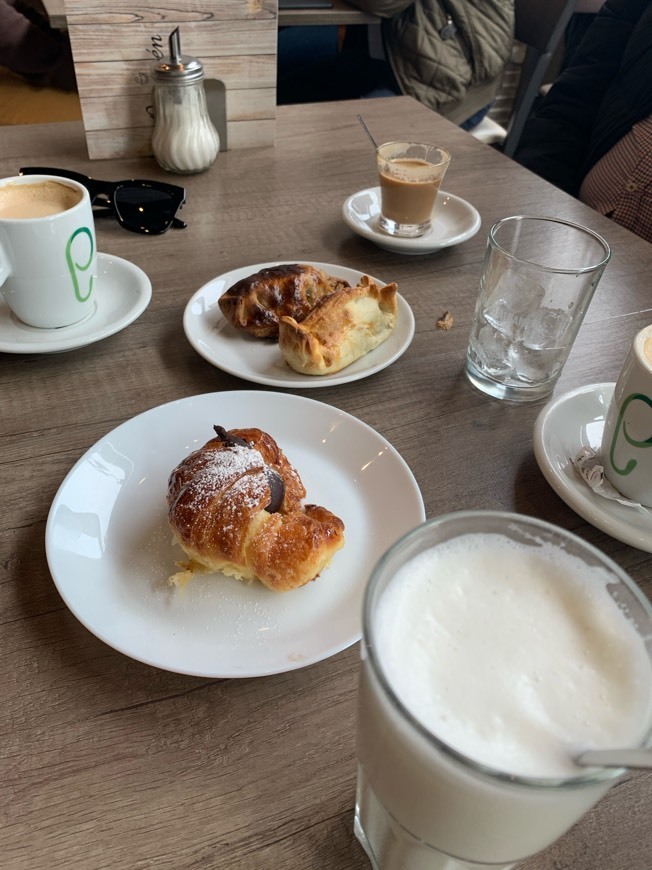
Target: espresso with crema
(41,199)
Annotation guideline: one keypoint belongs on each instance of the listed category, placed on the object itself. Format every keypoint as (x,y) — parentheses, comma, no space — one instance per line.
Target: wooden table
(109,763)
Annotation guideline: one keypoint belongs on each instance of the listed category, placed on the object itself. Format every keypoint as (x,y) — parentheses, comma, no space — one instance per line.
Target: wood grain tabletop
(107,762)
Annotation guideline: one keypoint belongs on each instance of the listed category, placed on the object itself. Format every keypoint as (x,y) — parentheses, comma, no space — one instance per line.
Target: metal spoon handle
(632,758)
(366,129)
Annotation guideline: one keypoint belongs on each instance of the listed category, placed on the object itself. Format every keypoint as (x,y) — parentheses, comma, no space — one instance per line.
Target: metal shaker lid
(179,67)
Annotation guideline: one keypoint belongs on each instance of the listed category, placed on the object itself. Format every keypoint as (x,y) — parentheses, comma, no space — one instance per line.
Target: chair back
(539,26)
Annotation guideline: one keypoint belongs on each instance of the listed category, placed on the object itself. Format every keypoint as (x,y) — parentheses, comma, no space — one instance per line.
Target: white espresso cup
(627,437)
(48,252)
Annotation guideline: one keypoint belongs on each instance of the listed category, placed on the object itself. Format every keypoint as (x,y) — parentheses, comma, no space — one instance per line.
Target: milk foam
(516,656)
(647,350)
(38,200)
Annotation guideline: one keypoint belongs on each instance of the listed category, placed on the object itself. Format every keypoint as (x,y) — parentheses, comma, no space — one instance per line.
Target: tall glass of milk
(496,648)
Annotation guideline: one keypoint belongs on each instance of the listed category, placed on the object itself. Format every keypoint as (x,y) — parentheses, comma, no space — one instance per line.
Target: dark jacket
(32,49)
(595,101)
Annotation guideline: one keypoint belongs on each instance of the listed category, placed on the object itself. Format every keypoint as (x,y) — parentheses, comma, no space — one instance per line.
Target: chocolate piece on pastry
(341,328)
(235,506)
(256,303)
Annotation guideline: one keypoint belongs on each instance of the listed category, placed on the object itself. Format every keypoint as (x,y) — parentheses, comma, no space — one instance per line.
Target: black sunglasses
(139,206)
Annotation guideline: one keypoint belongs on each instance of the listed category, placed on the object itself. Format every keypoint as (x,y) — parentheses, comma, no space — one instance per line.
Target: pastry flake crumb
(445,321)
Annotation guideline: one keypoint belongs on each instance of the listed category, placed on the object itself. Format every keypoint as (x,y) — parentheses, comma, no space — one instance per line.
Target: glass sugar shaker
(184,139)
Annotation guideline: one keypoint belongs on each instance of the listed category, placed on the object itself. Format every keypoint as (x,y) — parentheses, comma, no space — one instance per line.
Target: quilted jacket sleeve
(447,54)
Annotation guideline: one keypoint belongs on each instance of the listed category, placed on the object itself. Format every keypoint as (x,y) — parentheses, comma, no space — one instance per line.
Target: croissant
(256,303)
(341,328)
(235,506)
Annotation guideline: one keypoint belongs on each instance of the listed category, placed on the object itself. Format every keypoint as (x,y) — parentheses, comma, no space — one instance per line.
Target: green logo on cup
(75,267)
(632,463)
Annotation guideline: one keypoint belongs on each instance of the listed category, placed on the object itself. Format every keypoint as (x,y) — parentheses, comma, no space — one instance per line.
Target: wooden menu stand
(115,46)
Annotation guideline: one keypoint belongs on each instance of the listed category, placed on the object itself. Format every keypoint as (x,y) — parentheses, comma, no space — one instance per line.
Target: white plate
(260,361)
(122,294)
(454,221)
(565,425)
(110,550)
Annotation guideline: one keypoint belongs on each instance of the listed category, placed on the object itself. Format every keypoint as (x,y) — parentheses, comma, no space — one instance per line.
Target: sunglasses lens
(145,209)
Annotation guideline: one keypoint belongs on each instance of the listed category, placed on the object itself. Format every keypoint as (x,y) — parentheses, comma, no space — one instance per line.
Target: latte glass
(410,175)
(422,803)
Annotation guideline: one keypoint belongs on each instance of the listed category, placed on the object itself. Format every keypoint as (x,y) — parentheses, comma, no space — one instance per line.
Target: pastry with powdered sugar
(235,506)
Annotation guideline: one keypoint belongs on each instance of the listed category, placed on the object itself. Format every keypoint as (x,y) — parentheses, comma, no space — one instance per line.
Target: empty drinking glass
(538,278)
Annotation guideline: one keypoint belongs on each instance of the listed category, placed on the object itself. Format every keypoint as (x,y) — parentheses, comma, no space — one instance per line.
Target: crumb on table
(445,321)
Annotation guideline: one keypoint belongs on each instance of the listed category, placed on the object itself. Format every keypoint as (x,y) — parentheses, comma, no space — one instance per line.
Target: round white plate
(454,221)
(260,361)
(565,425)
(110,550)
(122,294)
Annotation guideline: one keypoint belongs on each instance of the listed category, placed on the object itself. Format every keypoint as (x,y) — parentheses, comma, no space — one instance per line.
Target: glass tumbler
(538,278)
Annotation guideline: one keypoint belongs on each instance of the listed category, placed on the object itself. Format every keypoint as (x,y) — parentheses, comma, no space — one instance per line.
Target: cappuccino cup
(627,437)
(48,251)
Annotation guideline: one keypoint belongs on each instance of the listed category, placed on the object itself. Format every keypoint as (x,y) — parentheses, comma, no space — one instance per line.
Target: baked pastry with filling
(341,328)
(235,506)
(257,302)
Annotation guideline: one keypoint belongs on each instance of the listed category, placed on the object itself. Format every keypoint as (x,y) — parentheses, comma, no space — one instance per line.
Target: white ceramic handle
(5,268)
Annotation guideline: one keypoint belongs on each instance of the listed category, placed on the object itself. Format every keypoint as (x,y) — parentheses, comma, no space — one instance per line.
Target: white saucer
(454,221)
(122,294)
(565,425)
(110,551)
(261,362)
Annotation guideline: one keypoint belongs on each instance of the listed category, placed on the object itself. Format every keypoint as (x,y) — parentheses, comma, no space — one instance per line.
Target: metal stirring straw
(632,758)
(366,129)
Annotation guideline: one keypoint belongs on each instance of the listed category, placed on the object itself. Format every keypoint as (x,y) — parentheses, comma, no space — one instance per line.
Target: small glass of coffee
(410,175)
